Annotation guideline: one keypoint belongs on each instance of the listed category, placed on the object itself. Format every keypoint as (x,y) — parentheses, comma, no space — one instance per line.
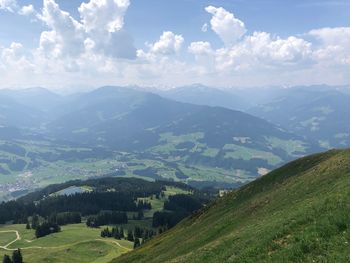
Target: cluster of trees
(83,203)
(16,257)
(135,235)
(132,186)
(65,218)
(87,203)
(167,219)
(181,202)
(107,218)
(15,211)
(46,228)
(115,232)
(50,225)
(176,208)
(124,198)
(139,215)
(139,232)
(143,205)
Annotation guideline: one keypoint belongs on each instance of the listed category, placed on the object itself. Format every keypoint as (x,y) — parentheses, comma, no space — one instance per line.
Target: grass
(192,160)
(210,152)
(171,190)
(291,147)
(158,204)
(298,213)
(170,141)
(75,243)
(6,238)
(203,173)
(245,153)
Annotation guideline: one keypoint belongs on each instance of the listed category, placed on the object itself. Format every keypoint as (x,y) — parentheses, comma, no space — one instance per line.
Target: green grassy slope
(298,213)
(76,243)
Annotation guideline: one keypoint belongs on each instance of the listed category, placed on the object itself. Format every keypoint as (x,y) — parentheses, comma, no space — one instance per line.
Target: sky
(67,44)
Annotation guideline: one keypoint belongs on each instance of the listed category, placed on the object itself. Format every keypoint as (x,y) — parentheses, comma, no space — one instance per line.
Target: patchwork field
(27,165)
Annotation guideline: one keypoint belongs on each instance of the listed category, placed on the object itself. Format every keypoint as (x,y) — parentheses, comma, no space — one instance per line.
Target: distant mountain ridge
(320,114)
(35,98)
(203,95)
(128,120)
(145,135)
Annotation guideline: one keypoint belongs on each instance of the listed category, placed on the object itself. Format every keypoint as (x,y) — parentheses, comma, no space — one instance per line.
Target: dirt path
(114,242)
(18,237)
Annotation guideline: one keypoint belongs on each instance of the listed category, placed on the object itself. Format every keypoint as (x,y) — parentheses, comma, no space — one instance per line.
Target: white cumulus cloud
(229,28)
(103,14)
(168,44)
(9,5)
(200,48)
(95,49)
(26,10)
(71,38)
(66,37)
(334,46)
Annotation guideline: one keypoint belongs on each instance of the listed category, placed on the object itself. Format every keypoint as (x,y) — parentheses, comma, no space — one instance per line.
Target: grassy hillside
(298,213)
(76,243)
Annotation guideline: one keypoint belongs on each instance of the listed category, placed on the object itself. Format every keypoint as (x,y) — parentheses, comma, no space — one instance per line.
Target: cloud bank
(97,50)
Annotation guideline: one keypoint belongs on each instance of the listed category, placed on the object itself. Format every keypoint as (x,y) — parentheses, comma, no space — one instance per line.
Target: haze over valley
(160,131)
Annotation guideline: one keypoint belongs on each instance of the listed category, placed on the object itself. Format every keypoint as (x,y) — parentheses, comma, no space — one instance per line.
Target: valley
(109,173)
(184,131)
(119,131)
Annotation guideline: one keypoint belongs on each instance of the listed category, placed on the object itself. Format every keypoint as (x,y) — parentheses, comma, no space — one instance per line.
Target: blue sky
(145,21)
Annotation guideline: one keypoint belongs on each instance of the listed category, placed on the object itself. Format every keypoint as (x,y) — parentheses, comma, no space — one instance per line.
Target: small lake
(71,190)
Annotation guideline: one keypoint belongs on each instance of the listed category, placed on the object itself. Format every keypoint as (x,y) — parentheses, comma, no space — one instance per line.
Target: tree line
(176,208)
(135,235)
(16,257)
(82,203)
(107,218)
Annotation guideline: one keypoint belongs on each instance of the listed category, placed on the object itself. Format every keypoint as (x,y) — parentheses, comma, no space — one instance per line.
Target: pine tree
(121,233)
(136,243)
(27,225)
(140,215)
(145,235)
(6,259)
(17,256)
(35,221)
(130,236)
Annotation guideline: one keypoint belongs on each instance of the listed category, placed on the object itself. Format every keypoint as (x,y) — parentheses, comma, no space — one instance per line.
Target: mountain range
(196,134)
(314,112)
